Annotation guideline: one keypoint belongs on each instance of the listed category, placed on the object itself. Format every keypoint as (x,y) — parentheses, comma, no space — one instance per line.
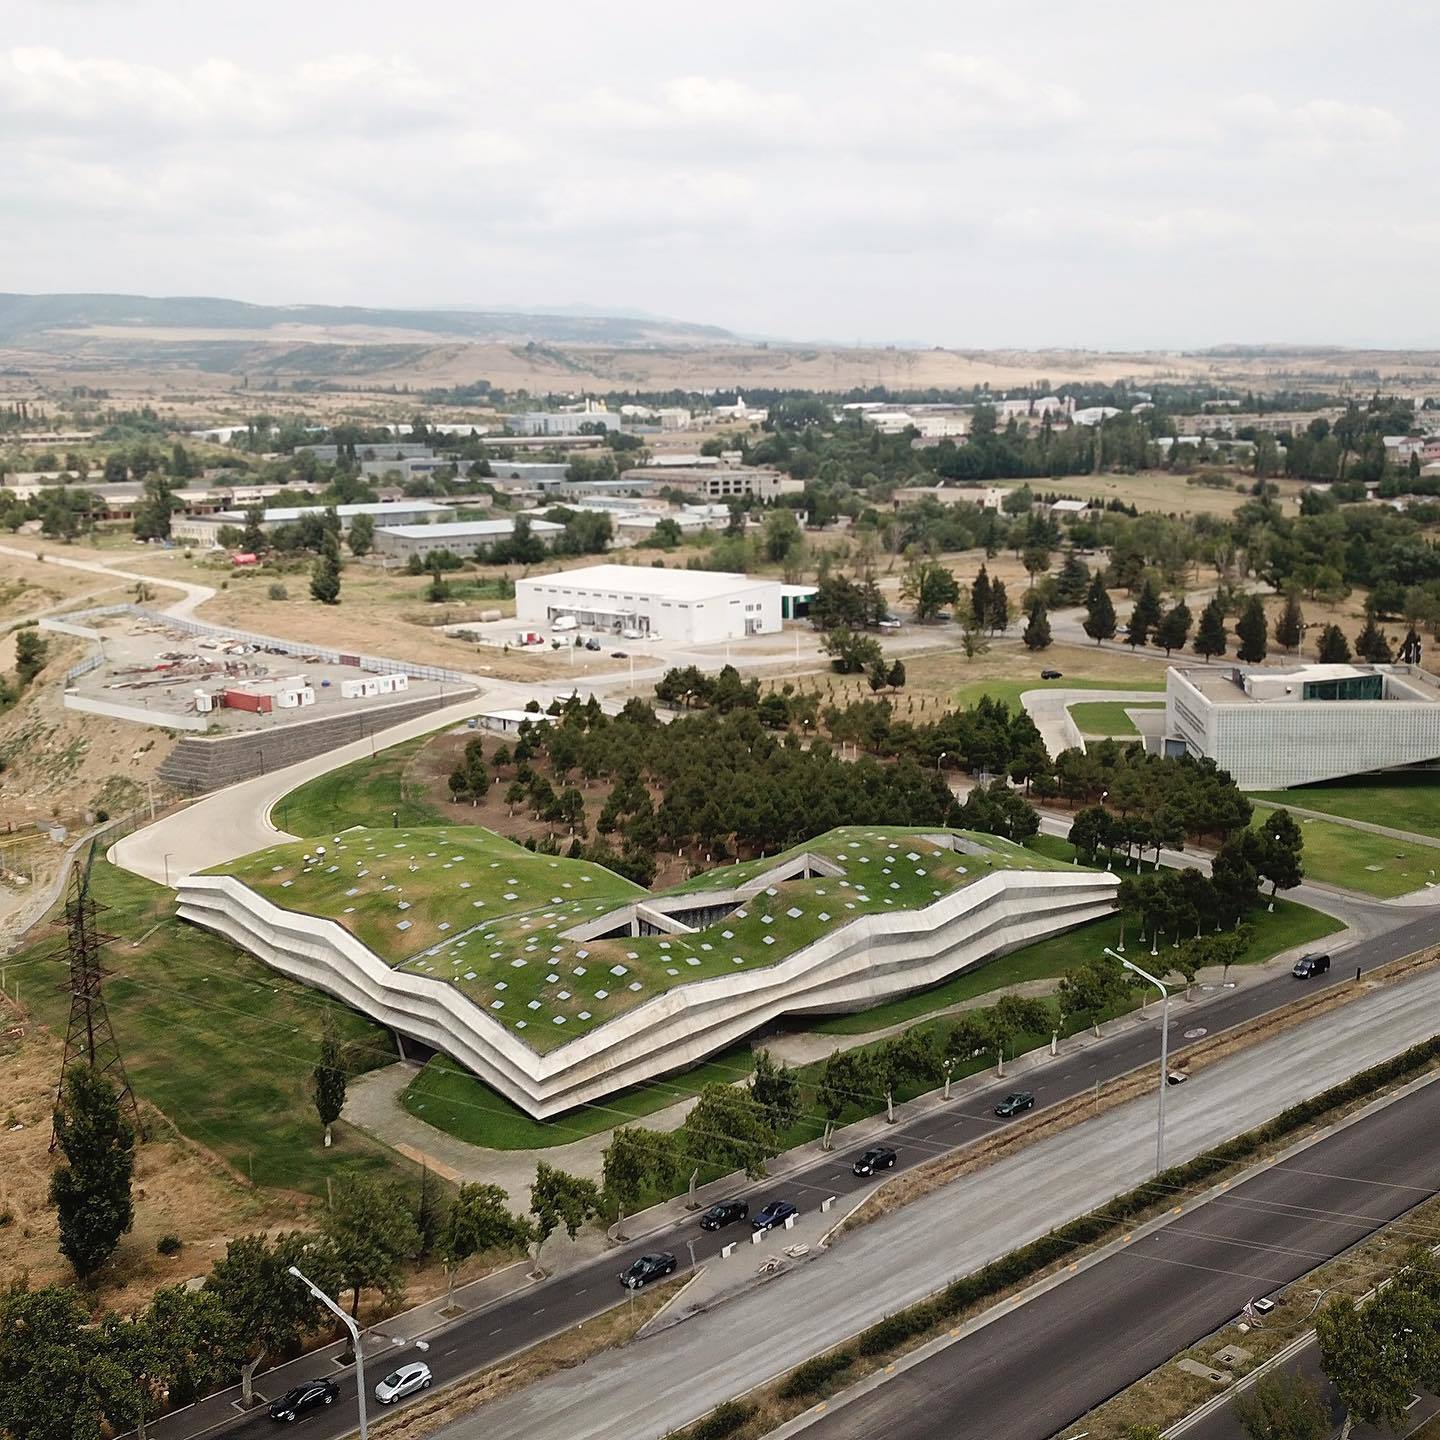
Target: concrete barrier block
(756,1236)
(727,1250)
(790,1221)
(826,1203)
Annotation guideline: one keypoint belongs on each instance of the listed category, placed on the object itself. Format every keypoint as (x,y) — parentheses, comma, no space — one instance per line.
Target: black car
(777,1212)
(726,1212)
(648,1268)
(1309,966)
(877,1157)
(294,1403)
(1051,674)
(619,655)
(1014,1103)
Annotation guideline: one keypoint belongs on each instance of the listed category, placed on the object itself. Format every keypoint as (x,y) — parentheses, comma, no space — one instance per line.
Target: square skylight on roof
(767,919)
(768,939)
(794,912)
(511,895)
(619,969)
(533,1005)
(824,915)
(894,884)
(477,903)
(911,855)
(584,1014)
(519,1024)
(669,971)
(551,978)
(635,985)
(691,960)
(602,994)
(469,974)
(559,1019)
(629,955)
(402,924)
(497,1004)
(738,960)
(706,945)
(502,985)
(464,884)
(578,970)
(772,891)
(562,995)
(517,964)
(727,934)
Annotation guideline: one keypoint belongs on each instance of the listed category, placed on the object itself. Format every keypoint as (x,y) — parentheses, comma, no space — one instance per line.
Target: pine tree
(325,577)
(1372,645)
(1210,636)
(1334,647)
(1099,612)
(980,597)
(1037,628)
(328,1080)
(998,614)
(92,1190)
(1145,615)
(1289,628)
(1253,632)
(1174,628)
(1073,581)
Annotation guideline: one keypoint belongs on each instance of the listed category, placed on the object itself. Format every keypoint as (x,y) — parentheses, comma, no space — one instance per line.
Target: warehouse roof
(466,529)
(648,580)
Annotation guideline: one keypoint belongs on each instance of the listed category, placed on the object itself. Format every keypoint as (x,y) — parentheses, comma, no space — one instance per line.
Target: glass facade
(1354,687)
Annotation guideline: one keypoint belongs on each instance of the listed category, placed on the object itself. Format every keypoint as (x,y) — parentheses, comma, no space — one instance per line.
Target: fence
(90,705)
(93,662)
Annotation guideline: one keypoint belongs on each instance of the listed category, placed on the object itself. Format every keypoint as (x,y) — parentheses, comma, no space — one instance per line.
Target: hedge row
(721,1422)
(1030,1260)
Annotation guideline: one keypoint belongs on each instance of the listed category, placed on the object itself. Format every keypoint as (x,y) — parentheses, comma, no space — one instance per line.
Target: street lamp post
(1164,1053)
(354,1330)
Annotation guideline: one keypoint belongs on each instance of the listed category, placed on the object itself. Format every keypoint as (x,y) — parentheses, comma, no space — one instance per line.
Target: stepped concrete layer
(198,765)
(868,959)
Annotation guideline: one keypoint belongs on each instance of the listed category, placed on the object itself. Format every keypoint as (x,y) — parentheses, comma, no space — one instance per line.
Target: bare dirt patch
(178,1189)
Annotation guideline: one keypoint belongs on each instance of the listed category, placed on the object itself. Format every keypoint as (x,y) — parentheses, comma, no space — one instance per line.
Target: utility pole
(89,1037)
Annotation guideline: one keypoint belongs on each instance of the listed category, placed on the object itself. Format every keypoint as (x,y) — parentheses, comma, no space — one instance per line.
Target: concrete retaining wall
(873,958)
(197,765)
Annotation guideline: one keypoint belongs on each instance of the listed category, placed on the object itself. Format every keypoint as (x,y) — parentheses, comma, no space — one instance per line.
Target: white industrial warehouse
(459,537)
(695,607)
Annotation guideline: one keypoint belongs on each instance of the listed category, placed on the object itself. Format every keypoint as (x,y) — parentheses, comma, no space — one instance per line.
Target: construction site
(149,671)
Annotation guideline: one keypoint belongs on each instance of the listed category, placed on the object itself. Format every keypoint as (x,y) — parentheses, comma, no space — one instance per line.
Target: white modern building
(1273,728)
(561,422)
(459,537)
(693,607)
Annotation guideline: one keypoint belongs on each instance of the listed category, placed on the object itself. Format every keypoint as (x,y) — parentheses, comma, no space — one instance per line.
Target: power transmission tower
(89,1039)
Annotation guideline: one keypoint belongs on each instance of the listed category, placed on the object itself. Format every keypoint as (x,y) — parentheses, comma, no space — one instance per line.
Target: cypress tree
(1210,636)
(1334,647)
(1037,628)
(1290,625)
(1099,612)
(92,1190)
(1253,632)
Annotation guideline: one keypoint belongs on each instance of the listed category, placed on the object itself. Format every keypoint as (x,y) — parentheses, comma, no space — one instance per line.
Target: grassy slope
(365,792)
(1404,802)
(214,1039)
(1107,717)
(1341,855)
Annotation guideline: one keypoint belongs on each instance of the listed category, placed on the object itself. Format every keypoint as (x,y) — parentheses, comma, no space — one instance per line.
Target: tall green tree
(272,1312)
(372,1234)
(727,1130)
(980,596)
(1210,637)
(776,1090)
(51,1359)
(638,1161)
(1072,584)
(1099,611)
(362,534)
(91,1190)
(1174,628)
(1090,989)
(928,587)
(1289,627)
(325,575)
(1372,645)
(1252,632)
(31,649)
(329,1077)
(1145,615)
(560,1199)
(1334,648)
(997,613)
(479,1220)
(1036,634)
(252,539)
(1013,1016)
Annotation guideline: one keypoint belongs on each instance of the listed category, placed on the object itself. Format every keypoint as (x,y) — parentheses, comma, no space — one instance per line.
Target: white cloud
(1319,120)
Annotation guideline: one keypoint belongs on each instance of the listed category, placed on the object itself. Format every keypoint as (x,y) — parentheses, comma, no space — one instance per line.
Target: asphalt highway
(483,1337)
(1041,1367)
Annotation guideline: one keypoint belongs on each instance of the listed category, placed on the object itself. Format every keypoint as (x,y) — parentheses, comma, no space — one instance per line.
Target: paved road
(1048,709)
(479,1339)
(1119,1319)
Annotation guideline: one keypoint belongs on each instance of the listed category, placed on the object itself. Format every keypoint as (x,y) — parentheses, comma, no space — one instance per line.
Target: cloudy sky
(954,173)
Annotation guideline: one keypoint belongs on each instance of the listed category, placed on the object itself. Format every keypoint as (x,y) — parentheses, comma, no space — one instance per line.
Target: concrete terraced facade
(869,959)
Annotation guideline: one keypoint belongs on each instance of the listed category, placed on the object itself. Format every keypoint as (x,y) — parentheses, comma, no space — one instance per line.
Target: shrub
(278,592)
(169,1245)
(812,1377)
(721,1422)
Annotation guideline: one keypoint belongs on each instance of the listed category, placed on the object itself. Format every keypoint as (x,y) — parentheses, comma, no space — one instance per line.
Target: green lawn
(1108,717)
(453,1100)
(1404,802)
(218,1042)
(1010,691)
(1357,860)
(366,792)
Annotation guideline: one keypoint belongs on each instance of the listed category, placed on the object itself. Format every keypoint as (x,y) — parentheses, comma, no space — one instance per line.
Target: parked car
(407,1380)
(726,1212)
(294,1403)
(888,623)
(592,643)
(1176,1077)
(631,635)
(1052,674)
(648,1268)
(1014,1103)
(619,655)
(877,1157)
(1309,966)
(777,1212)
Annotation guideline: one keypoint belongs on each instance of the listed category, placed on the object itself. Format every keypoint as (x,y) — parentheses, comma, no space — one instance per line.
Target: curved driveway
(1047,709)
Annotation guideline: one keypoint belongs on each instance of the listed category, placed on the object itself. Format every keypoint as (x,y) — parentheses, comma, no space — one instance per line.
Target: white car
(402,1382)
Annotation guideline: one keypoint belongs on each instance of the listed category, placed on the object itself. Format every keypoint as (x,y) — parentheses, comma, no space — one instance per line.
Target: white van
(565,622)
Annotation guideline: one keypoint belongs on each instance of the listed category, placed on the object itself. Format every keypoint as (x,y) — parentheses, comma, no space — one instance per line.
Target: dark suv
(726,1212)
(877,1157)
(294,1403)
(648,1268)
(1309,966)
(1014,1103)
(777,1212)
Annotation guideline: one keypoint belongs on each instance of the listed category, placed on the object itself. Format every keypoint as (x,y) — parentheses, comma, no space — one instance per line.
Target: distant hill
(30,317)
